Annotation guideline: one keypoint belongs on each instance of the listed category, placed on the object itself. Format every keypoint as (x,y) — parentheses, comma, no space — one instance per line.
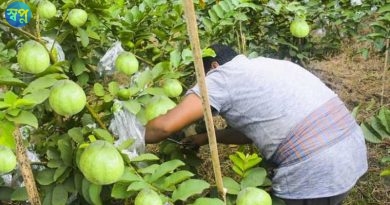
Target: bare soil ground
(357,81)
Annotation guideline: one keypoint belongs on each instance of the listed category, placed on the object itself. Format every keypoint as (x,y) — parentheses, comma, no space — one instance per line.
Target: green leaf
(144,78)
(138,185)
(6,134)
(175,58)
(231,185)
(24,103)
(252,162)
(10,97)
(59,196)
(385,172)
(59,172)
(129,176)
(384,8)
(189,188)
(165,168)
(5,192)
(94,194)
(40,83)
(113,87)
(177,177)
(5,73)
(78,67)
(159,68)
(76,135)
(45,177)
(208,201)
(132,106)
(66,150)
(378,127)
(125,144)
(83,37)
(98,89)
(237,161)
(119,191)
(25,118)
(103,134)
(38,96)
(11,81)
(20,194)
(155,91)
(369,134)
(149,169)
(4,105)
(85,184)
(384,116)
(218,10)
(145,157)
(254,177)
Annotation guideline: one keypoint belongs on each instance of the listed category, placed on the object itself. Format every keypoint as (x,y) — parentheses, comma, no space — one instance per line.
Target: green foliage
(377,130)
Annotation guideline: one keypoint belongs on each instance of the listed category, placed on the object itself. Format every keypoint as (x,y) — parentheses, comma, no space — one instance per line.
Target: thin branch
(96,116)
(144,60)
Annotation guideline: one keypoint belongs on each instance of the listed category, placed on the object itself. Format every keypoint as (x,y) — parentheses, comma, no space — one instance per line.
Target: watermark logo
(18,14)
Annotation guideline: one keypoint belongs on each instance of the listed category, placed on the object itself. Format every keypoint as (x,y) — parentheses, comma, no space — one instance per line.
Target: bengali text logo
(18,14)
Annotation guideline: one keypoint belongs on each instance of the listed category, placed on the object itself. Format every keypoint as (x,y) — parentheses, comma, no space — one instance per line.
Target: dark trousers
(333,200)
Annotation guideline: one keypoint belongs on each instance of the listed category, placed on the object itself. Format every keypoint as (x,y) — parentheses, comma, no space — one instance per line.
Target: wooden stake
(25,169)
(192,29)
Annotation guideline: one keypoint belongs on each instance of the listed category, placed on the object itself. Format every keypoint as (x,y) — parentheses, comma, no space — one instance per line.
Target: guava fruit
(101,163)
(77,17)
(147,197)
(299,28)
(46,9)
(126,63)
(253,196)
(33,57)
(172,87)
(67,98)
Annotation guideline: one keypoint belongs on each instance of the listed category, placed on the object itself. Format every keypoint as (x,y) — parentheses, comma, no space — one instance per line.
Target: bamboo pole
(192,29)
(25,169)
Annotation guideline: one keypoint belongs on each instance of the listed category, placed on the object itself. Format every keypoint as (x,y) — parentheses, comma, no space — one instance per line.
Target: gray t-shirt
(264,99)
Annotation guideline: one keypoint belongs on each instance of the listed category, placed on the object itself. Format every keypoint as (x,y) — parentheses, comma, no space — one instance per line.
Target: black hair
(223,53)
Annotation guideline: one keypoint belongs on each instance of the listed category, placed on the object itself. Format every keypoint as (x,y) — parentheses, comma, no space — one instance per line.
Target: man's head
(223,53)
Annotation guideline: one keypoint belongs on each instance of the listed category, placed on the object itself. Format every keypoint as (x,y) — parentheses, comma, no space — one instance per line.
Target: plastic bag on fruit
(126,126)
(57,49)
(106,64)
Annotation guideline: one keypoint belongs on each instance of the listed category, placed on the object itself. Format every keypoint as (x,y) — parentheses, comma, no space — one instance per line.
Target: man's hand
(196,140)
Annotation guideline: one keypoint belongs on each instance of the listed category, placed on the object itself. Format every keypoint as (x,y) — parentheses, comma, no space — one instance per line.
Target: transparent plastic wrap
(126,127)
(106,65)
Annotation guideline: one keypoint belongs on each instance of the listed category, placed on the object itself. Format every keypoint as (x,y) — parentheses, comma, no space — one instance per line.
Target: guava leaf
(149,169)
(85,190)
(76,134)
(208,201)
(138,185)
(113,87)
(189,188)
(175,58)
(232,186)
(83,37)
(45,177)
(20,194)
(94,194)
(129,176)
(6,134)
(177,177)
(98,89)
(40,83)
(254,177)
(132,106)
(145,157)
(5,193)
(78,67)
(165,168)
(385,172)
(369,134)
(119,191)
(38,96)
(103,134)
(11,81)
(66,151)
(59,196)
(25,118)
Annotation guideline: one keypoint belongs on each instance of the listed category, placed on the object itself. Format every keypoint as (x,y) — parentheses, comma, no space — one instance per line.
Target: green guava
(46,9)
(77,17)
(67,98)
(253,196)
(33,57)
(299,28)
(172,87)
(147,197)
(101,163)
(126,63)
